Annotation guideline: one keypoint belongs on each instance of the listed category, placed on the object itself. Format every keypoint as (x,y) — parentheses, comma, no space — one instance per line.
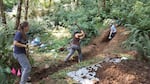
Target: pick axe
(28,55)
(77,26)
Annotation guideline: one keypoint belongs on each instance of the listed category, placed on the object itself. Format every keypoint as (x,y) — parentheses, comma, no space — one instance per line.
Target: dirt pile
(126,72)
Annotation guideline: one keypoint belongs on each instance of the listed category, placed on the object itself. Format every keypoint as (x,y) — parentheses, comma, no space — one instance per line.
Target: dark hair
(76,31)
(21,29)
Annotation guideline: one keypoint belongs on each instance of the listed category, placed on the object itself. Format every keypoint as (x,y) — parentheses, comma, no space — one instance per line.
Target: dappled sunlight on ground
(61,32)
(49,57)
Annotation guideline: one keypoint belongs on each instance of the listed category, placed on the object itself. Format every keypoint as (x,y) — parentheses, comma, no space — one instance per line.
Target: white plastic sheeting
(87,75)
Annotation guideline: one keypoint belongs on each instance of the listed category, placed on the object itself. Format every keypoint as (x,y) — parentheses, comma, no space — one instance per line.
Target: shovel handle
(78,26)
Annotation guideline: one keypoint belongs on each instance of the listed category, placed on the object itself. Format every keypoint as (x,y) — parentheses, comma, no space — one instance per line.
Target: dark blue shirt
(18,37)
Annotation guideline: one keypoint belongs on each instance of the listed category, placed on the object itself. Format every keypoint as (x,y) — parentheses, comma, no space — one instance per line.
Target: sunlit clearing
(61,33)
(13,12)
(48,56)
(58,1)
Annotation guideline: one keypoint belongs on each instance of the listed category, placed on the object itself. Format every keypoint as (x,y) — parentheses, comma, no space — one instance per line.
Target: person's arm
(110,32)
(80,35)
(83,35)
(16,43)
(17,40)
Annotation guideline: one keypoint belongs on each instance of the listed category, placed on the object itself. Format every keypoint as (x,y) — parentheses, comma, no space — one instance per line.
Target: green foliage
(5,54)
(140,20)
(39,7)
(5,42)
(85,15)
(134,14)
(140,41)
(36,28)
(9,4)
(53,44)
(5,75)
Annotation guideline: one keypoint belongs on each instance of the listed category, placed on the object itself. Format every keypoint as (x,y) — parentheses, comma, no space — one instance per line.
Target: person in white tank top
(113,31)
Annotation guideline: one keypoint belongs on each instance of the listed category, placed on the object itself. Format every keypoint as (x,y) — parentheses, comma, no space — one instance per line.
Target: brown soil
(42,74)
(126,72)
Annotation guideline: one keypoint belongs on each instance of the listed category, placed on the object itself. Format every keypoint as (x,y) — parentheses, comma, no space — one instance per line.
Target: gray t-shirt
(113,29)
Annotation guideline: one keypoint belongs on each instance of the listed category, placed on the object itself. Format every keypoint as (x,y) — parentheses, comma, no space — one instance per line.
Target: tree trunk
(50,1)
(2,12)
(99,6)
(26,9)
(104,4)
(77,2)
(18,14)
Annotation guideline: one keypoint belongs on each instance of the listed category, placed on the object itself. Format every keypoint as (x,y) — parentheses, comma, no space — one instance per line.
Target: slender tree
(104,4)
(50,1)
(2,12)
(18,14)
(77,2)
(26,9)
(99,6)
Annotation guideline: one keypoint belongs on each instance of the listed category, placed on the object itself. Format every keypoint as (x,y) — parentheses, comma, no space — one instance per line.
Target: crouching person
(75,45)
(113,31)
(19,53)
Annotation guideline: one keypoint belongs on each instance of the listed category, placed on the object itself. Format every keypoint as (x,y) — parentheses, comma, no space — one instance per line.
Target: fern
(140,41)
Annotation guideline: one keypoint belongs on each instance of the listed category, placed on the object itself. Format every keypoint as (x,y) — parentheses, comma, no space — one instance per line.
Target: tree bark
(77,2)
(2,12)
(26,9)
(99,6)
(18,14)
(50,1)
(104,4)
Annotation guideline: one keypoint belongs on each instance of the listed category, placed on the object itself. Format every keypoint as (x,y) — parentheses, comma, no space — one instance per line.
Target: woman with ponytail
(19,53)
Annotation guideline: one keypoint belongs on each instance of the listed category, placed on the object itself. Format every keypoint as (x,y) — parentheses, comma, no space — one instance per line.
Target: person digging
(113,31)
(19,51)
(75,45)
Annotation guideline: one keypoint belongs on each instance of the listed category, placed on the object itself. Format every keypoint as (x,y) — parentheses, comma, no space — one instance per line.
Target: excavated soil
(40,74)
(126,72)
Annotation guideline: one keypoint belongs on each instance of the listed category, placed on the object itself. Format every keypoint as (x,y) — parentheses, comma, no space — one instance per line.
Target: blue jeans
(25,65)
(72,49)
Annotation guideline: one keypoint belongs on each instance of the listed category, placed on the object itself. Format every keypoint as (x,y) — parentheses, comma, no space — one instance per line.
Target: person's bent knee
(28,69)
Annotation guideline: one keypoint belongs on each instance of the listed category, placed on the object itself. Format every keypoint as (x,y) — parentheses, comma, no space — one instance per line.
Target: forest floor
(127,72)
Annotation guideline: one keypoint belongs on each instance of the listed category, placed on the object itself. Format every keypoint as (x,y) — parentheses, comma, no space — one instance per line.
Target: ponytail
(21,29)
